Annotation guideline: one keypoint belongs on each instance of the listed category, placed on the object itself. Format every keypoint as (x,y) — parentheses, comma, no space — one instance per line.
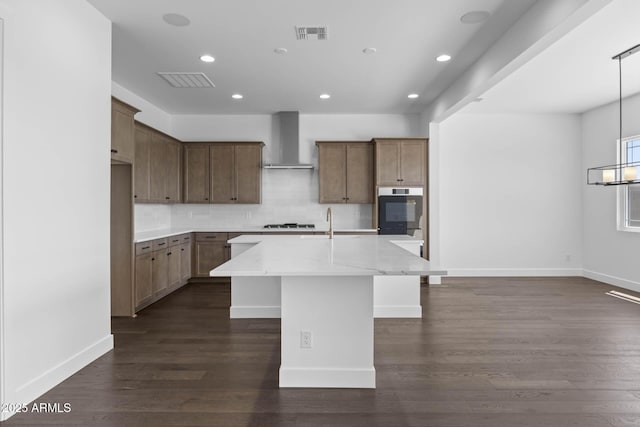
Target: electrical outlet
(305,339)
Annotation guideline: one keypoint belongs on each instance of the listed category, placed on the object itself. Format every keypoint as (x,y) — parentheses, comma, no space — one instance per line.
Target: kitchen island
(327,299)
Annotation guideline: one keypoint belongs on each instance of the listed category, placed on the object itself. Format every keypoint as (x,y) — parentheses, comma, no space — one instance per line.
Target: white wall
(287,195)
(56,141)
(609,255)
(510,195)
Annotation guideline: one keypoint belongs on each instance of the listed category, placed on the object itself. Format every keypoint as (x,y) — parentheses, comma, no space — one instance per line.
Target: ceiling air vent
(182,80)
(311,33)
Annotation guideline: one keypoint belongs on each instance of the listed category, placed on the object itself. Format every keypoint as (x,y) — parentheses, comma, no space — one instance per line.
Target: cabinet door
(221,164)
(172,171)
(208,256)
(185,262)
(141,165)
(196,174)
(248,172)
(359,173)
(159,276)
(412,162)
(143,278)
(332,173)
(122,131)
(157,167)
(387,163)
(173,266)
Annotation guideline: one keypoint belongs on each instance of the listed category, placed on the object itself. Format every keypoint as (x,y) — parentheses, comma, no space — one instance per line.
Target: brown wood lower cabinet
(162,266)
(185,262)
(144,291)
(211,250)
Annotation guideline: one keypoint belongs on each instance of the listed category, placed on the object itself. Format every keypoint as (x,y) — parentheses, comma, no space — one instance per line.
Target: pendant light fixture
(620,173)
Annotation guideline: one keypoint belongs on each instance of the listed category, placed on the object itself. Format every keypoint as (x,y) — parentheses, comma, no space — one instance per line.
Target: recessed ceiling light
(475,17)
(207,58)
(413,96)
(237,96)
(176,19)
(280,50)
(443,58)
(369,50)
(325,96)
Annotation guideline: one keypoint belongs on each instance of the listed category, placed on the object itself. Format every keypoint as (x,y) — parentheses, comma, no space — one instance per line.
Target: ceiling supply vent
(187,80)
(312,33)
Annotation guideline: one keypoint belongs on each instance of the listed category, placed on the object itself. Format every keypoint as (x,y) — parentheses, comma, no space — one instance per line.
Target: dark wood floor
(488,352)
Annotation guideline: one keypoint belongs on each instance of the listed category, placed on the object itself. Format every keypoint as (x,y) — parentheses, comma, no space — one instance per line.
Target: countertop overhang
(317,255)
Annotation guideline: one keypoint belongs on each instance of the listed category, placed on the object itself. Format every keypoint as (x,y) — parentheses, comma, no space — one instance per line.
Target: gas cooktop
(290,225)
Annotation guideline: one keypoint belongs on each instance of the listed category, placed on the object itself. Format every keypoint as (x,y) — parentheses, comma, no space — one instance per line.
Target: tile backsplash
(287,196)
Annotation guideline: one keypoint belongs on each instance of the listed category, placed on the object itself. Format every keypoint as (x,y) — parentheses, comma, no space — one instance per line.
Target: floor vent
(187,80)
(622,295)
(310,33)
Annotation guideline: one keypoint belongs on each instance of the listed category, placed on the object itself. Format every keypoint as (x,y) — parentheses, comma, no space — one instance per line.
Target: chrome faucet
(330,219)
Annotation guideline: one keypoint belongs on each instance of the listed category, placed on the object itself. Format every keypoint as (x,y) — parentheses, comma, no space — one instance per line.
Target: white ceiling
(241,35)
(576,73)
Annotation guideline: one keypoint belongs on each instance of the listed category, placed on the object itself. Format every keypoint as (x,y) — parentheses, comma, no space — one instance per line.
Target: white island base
(337,313)
(325,292)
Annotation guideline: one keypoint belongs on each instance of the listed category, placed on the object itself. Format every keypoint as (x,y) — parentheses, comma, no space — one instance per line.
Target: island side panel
(337,311)
(398,296)
(253,297)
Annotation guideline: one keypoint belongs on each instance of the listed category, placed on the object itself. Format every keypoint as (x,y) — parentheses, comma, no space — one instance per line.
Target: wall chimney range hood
(287,155)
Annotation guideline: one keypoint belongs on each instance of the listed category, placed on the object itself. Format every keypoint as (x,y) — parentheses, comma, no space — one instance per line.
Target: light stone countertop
(344,255)
(145,236)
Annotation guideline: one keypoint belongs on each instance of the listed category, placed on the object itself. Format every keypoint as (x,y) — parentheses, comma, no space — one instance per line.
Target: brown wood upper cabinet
(223,172)
(122,146)
(345,171)
(400,161)
(157,166)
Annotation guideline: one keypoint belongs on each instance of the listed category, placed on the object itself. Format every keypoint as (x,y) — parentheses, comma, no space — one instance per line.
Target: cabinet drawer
(174,240)
(185,238)
(211,237)
(144,247)
(160,244)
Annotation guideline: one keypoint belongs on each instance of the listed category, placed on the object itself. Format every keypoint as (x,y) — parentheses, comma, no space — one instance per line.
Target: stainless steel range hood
(288,152)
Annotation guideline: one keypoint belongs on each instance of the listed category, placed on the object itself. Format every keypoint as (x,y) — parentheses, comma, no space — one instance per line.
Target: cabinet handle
(169,253)
(162,244)
(210,237)
(182,250)
(145,247)
(114,151)
(206,198)
(153,259)
(167,198)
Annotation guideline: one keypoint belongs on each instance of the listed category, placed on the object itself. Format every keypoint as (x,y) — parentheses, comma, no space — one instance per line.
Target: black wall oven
(400,210)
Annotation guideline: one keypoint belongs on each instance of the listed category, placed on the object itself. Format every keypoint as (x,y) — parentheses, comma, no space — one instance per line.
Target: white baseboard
(54,376)
(404,311)
(328,378)
(254,312)
(514,272)
(612,280)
